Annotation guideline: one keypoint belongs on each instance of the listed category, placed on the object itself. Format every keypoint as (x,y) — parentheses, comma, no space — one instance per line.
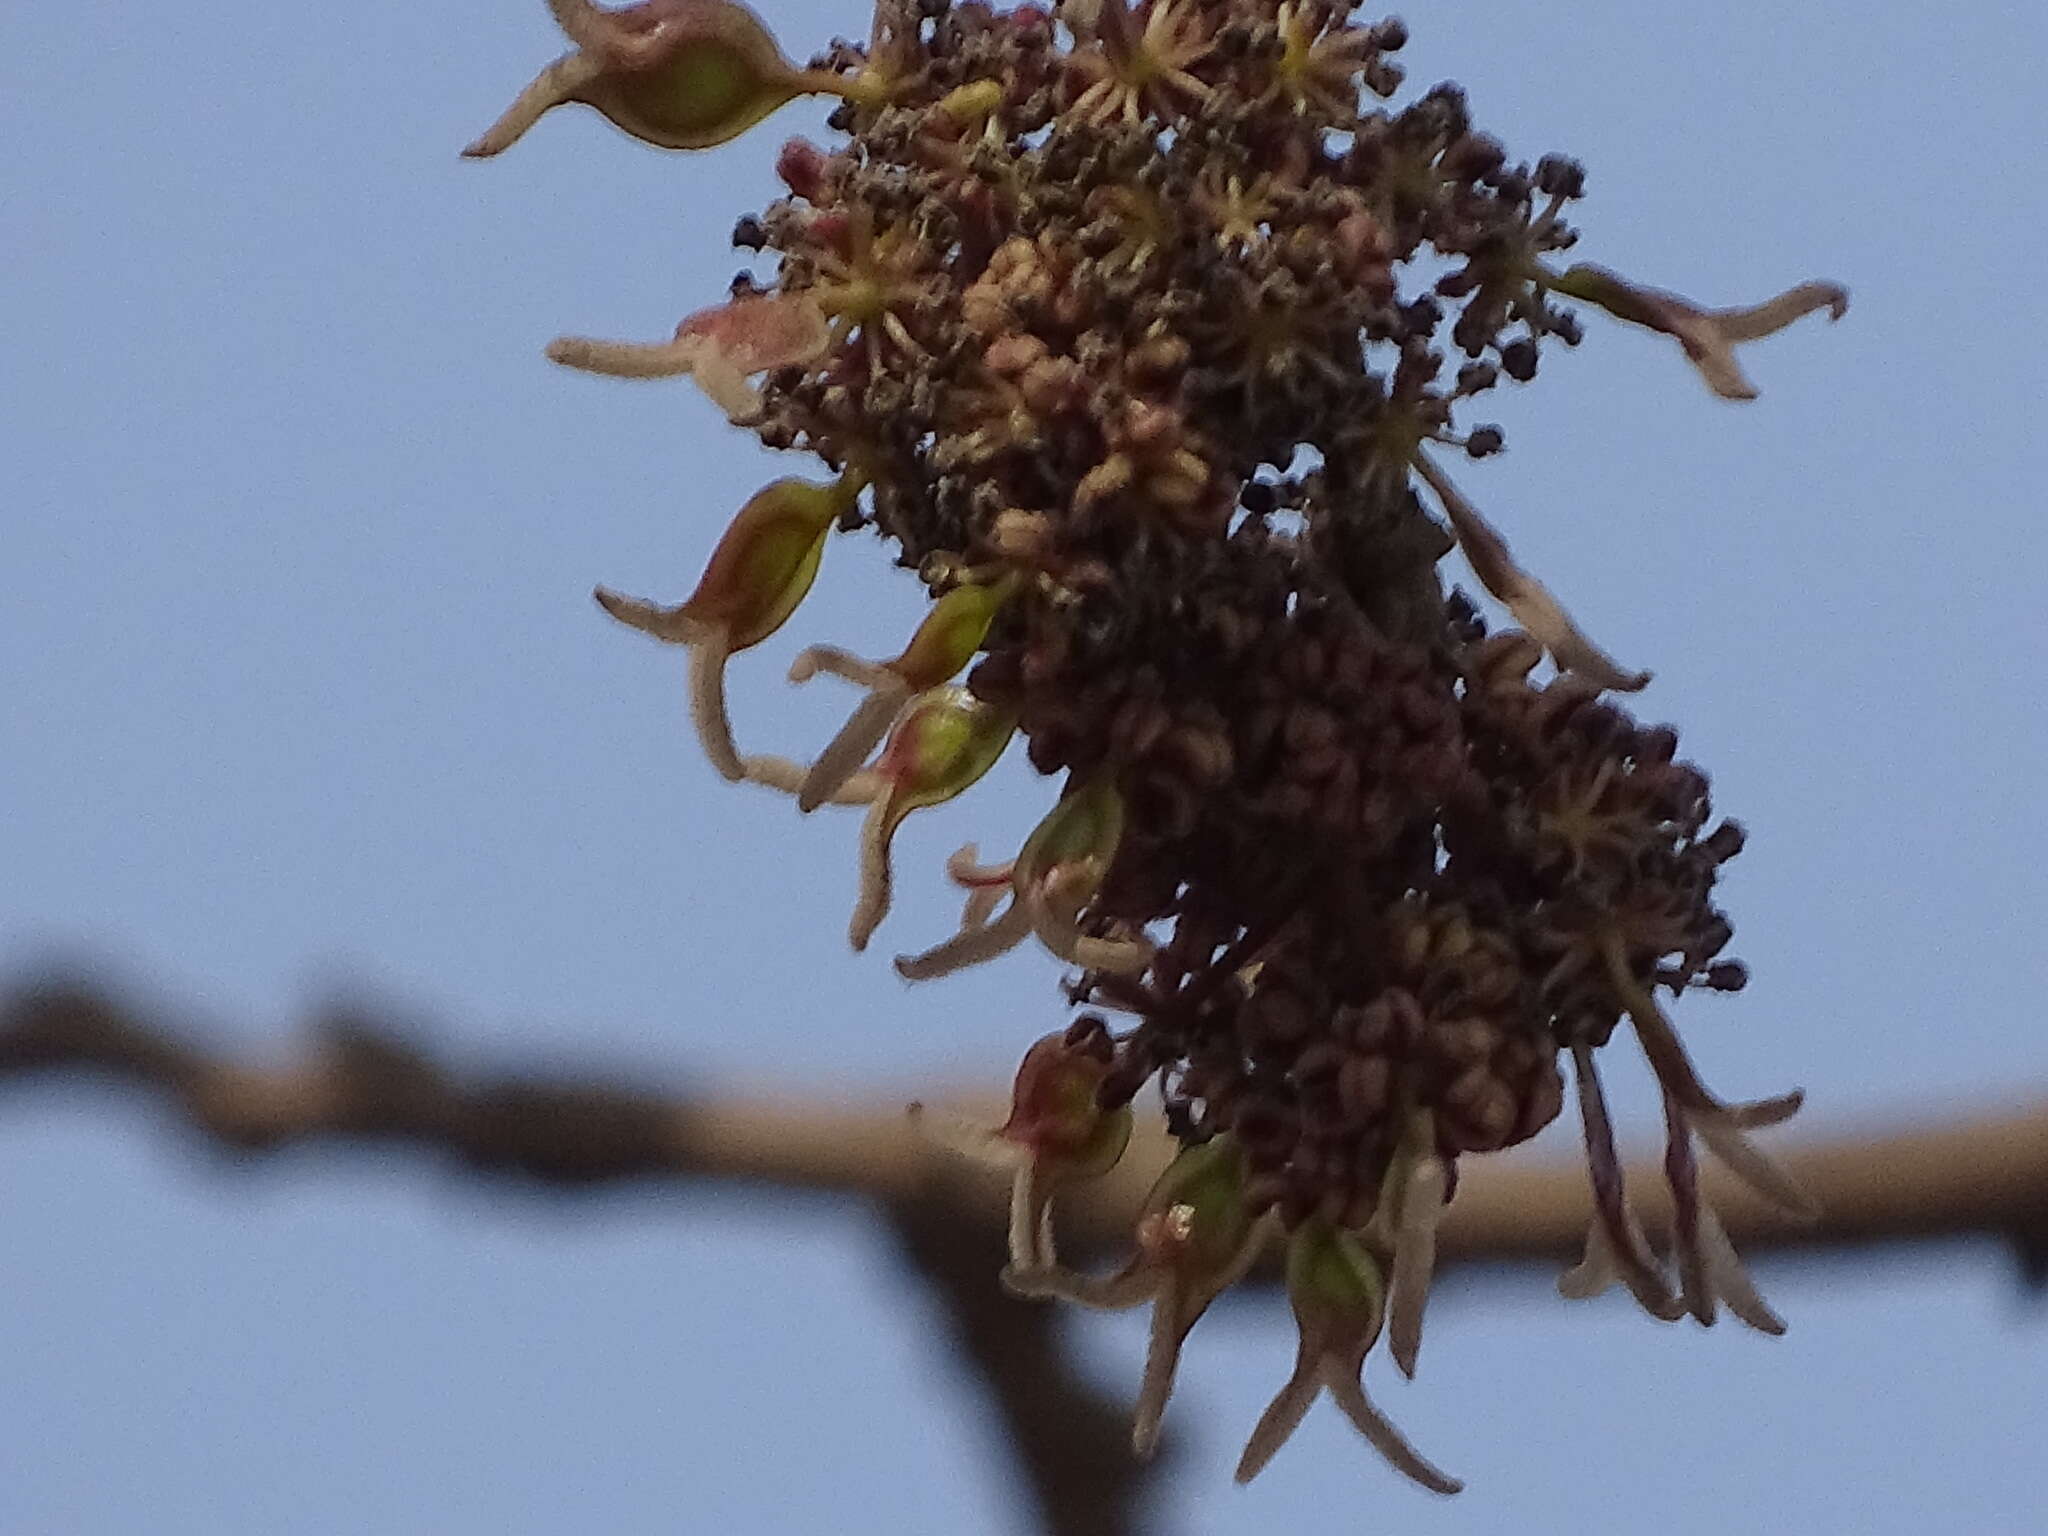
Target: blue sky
(303,692)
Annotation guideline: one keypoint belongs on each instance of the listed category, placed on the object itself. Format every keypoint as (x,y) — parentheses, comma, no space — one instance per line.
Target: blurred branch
(359,1082)
(1071,1441)
(1985,1175)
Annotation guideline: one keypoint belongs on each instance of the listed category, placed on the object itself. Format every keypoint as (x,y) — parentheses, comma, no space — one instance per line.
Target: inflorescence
(1108,318)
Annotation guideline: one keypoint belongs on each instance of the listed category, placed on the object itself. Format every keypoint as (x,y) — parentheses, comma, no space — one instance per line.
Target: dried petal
(1531,603)
(1616,1249)
(1721,1126)
(1709,336)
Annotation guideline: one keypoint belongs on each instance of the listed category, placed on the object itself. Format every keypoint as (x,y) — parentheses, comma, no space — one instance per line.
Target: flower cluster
(1108,318)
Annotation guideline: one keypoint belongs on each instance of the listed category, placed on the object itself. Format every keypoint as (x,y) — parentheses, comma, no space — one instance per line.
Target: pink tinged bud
(947,639)
(802,167)
(1526,598)
(719,347)
(761,569)
(678,74)
(1709,336)
(942,743)
(1338,1296)
(1195,1239)
(1056,1134)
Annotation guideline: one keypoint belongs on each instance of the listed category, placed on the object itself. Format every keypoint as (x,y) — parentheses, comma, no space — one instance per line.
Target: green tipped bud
(941,745)
(678,74)
(766,561)
(950,634)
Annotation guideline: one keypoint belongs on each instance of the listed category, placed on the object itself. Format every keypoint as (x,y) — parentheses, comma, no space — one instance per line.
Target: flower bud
(950,634)
(766,561)
(678,74)
(761,569)
(1339,1300)
(719,347)
(943,742)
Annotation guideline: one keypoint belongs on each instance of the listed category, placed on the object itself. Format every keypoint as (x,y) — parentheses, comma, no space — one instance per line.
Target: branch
(1983,1176)
(361,1083)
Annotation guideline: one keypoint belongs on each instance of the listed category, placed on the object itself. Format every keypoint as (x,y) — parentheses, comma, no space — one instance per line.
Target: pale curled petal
(671,625)
(1422,1208)
(872,904)
(625,359)
(1682,1173)
(979,909)
(1708,336)
(1774,314)
(1728,1276)
(849,750)
(788,775)
(1616,1248)
(707,706)
(586,25)
(970,946)
(561,82)
(1030,1219)
(1282,1417)
(969,1138)
(1526,598)
(831,661)
(1129,1287)
(1724,1137)
(964,867)
(1168,1332)
(1347,1391)
(1055,919)
(710,647)
(1720,1126)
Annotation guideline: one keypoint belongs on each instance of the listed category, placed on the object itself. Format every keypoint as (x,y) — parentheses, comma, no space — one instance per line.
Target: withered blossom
(1110,319)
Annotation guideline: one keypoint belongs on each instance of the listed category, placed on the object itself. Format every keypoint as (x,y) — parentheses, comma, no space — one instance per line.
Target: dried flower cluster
(1108,318)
